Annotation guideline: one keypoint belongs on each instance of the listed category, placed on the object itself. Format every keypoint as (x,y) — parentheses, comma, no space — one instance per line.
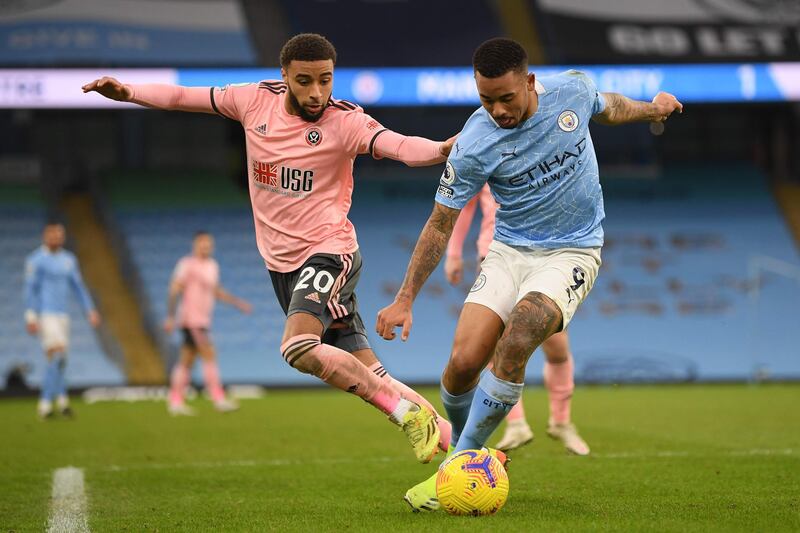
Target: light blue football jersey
(48,278)
(543,173)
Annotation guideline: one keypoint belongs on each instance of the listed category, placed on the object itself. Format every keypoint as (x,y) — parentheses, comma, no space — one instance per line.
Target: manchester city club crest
(568,120)
(479,283)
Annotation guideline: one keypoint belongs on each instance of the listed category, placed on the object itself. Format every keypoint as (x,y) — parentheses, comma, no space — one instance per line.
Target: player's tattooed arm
(622,110)
(428,252)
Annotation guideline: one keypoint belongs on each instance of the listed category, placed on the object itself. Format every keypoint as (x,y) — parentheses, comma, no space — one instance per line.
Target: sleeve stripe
(372,142)
(214,104)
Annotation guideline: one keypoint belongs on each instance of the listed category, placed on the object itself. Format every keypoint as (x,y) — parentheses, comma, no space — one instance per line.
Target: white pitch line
(249,463)
(68,508)
(670,454)
(294,462)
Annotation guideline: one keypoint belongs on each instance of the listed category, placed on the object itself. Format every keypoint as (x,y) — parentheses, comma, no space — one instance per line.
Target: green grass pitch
(665,458)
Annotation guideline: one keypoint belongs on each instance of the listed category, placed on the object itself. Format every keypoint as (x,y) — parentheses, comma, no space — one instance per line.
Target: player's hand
(244,307)
(169,325)
(398,314)
(32,327)
(447,146)
(94,318)
(454,270)
(110,88)
(666,104)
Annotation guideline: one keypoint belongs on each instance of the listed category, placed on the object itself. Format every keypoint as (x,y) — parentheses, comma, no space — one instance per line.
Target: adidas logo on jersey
(262,129)
(314,297)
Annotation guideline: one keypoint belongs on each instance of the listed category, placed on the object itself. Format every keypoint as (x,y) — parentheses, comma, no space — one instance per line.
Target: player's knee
(461,368)
(299,352)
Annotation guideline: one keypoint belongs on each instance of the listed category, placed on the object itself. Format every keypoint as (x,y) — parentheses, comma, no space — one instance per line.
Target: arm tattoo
(621,110)
(429,250)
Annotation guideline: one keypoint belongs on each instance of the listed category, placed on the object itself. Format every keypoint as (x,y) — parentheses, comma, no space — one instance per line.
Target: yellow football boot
(423,433)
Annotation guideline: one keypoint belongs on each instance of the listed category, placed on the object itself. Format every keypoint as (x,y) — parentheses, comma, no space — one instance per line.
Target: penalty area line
(68,505)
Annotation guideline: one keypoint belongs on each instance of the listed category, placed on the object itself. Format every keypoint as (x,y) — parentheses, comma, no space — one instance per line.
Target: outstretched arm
(427,254)
(413,151)
(622,110)
(159,96)
(240,304)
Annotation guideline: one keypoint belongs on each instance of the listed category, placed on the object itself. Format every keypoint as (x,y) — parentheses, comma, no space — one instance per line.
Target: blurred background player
(301,143)
(559,367)
(50,271)
(196,282)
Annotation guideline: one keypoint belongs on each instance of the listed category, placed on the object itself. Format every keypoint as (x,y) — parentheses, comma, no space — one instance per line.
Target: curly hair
(497,56)
(307,47)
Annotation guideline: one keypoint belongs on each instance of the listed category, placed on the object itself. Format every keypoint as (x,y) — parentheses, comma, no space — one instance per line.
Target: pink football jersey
(199,278)
(300,173)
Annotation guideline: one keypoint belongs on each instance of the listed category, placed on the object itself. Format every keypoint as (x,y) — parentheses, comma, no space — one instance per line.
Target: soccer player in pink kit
(301,143)
(196,282)
(558,366)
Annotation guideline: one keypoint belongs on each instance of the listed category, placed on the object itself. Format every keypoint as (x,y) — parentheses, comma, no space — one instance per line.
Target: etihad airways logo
(546,172)
(280,179)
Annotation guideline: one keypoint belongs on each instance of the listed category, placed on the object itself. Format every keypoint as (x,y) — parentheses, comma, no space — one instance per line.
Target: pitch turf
(685,458)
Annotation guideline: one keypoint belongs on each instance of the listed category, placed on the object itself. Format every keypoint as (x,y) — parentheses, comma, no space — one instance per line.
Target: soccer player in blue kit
(50,272)
(530,140)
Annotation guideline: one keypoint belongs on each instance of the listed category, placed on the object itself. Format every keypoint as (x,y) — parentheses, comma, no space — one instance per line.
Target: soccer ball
(472,482)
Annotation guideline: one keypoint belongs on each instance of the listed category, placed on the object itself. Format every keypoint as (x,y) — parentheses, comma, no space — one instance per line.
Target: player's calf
(338,368)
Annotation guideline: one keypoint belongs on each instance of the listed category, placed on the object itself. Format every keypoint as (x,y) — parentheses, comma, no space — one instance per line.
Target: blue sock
(61,382)
(457,407)
(49,381)
(494,398)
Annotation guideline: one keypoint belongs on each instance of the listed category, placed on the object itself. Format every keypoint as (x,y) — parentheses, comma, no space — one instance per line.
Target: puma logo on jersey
(512,153)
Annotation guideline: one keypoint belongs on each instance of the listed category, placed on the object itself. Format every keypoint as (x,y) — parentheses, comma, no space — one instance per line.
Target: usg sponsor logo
(277,178)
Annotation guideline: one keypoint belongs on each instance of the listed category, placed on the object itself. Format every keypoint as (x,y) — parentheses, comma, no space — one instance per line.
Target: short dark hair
(497,56)
(201,233)
(307,47)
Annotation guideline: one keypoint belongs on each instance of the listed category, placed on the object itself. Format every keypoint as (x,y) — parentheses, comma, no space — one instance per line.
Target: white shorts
(565,275)
(54,330)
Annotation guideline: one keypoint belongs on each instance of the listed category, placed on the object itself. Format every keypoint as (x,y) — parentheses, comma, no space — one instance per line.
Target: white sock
(63,401)
(403,406)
